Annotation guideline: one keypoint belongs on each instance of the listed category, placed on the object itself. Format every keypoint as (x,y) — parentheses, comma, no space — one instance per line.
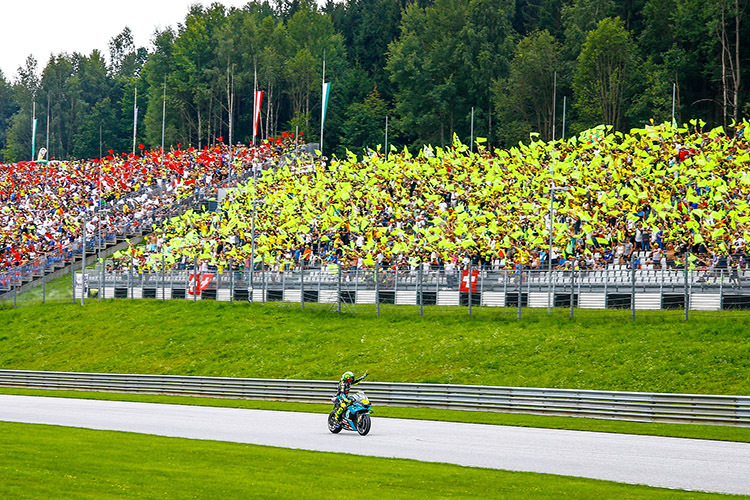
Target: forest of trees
(424,63)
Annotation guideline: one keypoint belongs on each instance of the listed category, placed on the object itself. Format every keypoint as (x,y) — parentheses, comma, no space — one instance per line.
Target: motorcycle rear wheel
(363,424)
(333,425)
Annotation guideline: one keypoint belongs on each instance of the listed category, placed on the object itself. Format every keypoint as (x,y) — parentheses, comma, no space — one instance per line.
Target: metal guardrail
(634,406)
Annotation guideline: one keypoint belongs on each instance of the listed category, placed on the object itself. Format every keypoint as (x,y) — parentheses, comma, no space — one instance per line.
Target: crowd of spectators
(43,205)
(656,197)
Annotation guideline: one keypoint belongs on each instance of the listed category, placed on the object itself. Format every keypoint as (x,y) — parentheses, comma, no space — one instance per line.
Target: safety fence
(616,288)
(634,406)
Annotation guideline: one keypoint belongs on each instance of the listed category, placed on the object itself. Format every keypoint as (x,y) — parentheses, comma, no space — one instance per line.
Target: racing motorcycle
(355,418)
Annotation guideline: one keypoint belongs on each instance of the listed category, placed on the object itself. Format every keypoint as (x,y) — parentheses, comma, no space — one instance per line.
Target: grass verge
(39,461)
(693,431)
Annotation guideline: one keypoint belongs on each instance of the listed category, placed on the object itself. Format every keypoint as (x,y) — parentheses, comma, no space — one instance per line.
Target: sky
(45,27)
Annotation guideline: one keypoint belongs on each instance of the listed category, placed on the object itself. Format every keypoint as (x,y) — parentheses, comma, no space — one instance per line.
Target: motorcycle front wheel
(363,424)
(333,425)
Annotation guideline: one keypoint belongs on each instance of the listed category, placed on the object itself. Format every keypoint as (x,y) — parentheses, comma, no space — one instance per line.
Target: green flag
(326,92)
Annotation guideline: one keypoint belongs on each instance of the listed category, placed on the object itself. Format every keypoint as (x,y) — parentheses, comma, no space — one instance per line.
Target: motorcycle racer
(347,380)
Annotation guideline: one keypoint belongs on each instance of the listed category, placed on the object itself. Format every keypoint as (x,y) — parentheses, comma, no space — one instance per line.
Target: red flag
(256,112)
(203,282)
(465,281)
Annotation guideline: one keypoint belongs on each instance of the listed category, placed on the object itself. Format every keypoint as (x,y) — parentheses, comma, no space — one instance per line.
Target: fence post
(15,286)
(171,282)
(251,289)
(263,274)
(520,290)
(231,282)
(395,285)
(83,261)
(419,290)
(195,279)
(377,291)
(164,279)
(632,289)
(356,284)
(528,286)
(44,280)
(130,277)
(338,289)
(573,288)
(482,270)
(554,284)
(606,284)
(302,282)
(505,287)
(687,292)
(661,289)
(470,282)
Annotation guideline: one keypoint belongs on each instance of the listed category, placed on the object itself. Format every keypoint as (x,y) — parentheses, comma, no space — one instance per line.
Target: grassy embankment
(594,351)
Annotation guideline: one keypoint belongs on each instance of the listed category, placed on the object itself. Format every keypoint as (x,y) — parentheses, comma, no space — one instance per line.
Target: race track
(688,464)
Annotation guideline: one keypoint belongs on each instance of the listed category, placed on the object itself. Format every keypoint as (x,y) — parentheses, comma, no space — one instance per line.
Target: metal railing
(616,405)
(617,288)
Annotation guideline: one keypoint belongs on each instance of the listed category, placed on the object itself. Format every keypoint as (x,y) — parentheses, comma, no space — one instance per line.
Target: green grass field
(709,354)
(42,462)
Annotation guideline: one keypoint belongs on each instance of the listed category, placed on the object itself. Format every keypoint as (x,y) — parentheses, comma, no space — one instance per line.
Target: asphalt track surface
(688,464)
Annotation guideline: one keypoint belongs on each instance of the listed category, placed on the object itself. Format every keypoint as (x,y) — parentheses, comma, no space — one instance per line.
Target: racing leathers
(342,394)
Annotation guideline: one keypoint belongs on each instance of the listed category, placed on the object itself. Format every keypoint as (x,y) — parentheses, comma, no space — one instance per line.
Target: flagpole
(255,97)
(554,106)
(135,115)
(472,129)
(386,137)
(322,111)
(47,141)
(674,95)
(33,128)
(565,101)
(231,109)
(163,117)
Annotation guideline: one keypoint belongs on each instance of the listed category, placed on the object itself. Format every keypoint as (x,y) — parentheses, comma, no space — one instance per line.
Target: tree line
(499,69)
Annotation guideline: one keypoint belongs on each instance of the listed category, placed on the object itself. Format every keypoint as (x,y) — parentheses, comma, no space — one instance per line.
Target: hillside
(597,350)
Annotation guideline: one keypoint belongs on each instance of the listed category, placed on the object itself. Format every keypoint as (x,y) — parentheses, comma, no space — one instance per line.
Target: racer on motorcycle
(347,380)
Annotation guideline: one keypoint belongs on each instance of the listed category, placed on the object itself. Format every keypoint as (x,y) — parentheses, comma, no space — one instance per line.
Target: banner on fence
(465,281)
(203,281)
(82,280)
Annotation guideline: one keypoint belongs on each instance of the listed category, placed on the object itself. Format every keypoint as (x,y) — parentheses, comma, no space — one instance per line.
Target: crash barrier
(634,406)
(616,288)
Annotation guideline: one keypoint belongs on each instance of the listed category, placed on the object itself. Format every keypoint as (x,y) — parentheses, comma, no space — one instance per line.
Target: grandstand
(118,199)
(654,219)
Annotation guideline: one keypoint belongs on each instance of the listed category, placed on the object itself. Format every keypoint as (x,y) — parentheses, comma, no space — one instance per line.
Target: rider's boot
(339,412)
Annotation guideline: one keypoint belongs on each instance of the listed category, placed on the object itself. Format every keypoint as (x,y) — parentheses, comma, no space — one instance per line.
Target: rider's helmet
(347,377)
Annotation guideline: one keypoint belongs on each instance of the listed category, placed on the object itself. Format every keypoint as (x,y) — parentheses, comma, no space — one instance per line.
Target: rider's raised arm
(360,379)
